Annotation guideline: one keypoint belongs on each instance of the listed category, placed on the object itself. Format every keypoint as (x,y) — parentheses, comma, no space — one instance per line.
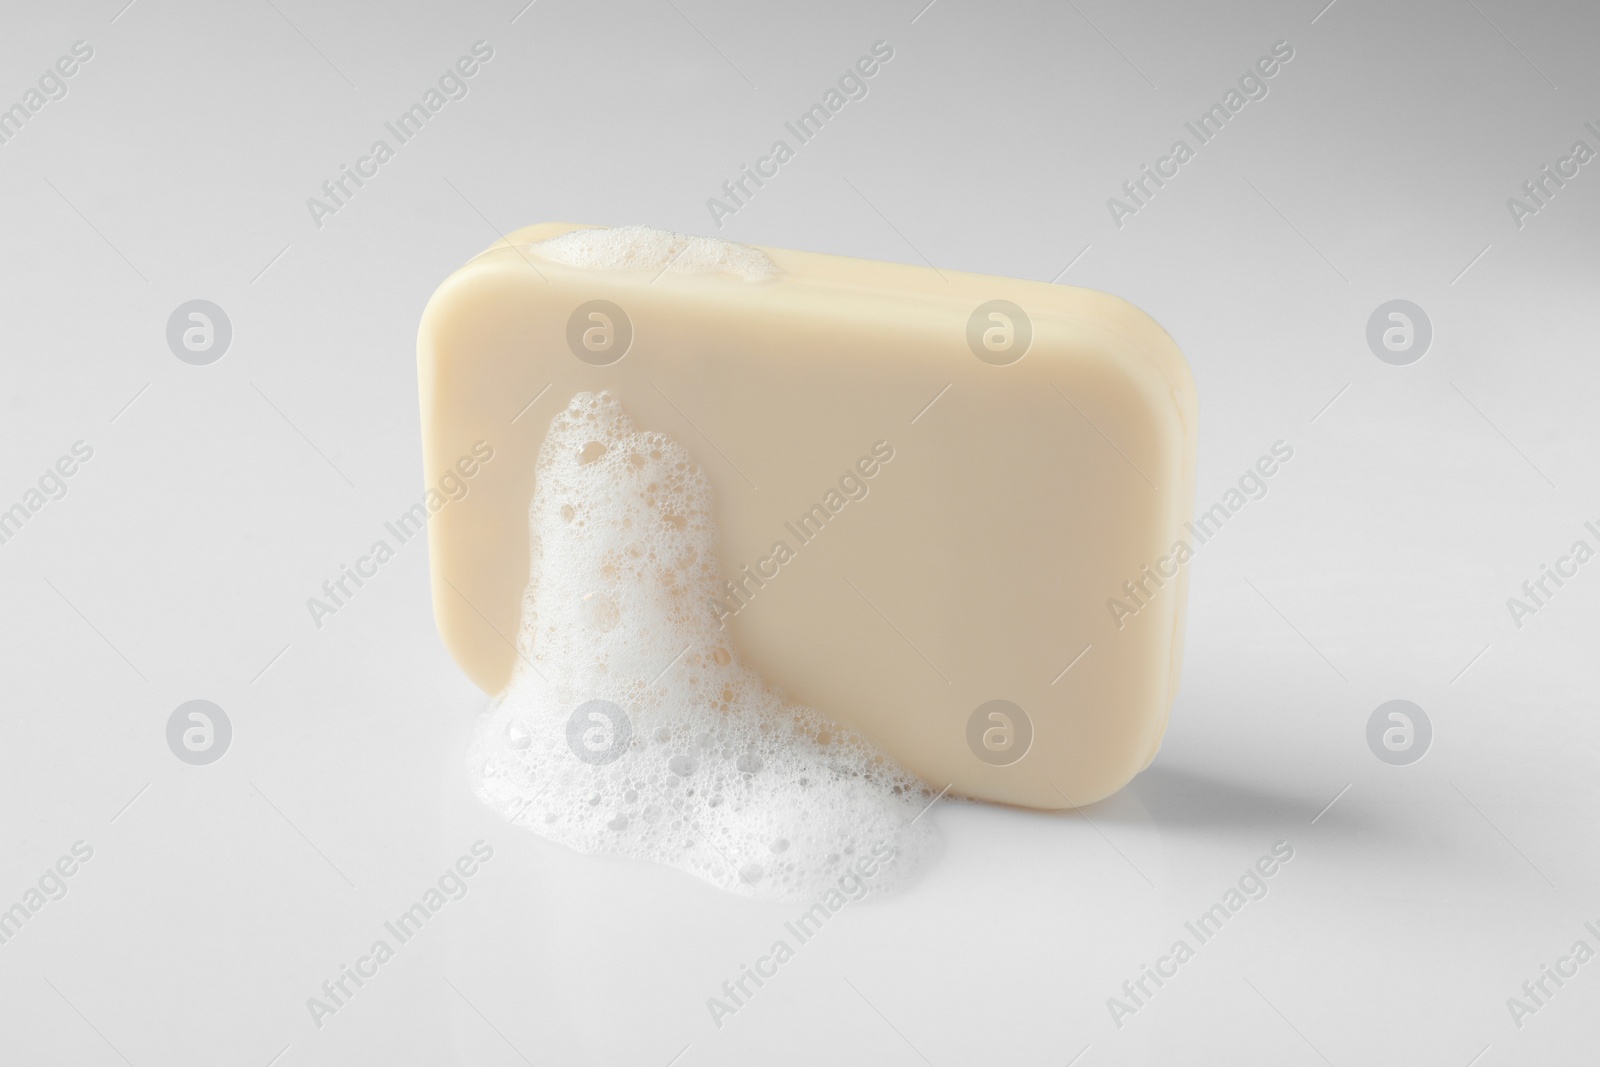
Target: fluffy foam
(647,248)
(714,773)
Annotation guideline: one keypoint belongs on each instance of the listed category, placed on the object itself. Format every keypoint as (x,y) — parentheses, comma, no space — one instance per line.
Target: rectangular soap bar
(937,495)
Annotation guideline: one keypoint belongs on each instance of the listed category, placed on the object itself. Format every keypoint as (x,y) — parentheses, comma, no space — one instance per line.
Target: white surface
(177,167)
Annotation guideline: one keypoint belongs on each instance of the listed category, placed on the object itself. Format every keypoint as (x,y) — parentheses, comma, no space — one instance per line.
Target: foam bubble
(647,248)
(706,768)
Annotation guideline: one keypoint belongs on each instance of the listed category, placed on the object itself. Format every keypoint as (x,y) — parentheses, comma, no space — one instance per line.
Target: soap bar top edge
(1126,320)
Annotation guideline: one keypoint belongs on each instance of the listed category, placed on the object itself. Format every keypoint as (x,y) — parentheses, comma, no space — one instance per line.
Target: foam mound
(650,249)
(631,728)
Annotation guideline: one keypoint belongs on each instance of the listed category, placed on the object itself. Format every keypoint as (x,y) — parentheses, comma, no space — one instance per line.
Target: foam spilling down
(630,727)
(648,249)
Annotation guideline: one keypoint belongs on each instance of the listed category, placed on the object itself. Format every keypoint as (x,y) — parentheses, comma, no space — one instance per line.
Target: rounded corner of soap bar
(1112,773)
(1138,327)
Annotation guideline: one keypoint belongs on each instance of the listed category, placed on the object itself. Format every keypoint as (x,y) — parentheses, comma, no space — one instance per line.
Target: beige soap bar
(947,504)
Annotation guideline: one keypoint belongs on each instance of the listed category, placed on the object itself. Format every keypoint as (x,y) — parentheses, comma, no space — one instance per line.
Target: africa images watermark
(454,485)
(52,485)
(1542,188)
(805,528)
(50,886)
(851,886)
(1251,885)
(337,192)
(51,86)
(1141,589)
(338,991)
(1141,189)
(852,85)
(1565,569)
(1537,992)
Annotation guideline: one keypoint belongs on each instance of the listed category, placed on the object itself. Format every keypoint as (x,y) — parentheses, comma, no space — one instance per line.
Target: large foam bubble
(631,727)
(648,249)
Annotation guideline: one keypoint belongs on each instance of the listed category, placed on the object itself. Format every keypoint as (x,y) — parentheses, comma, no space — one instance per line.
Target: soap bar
(949,508)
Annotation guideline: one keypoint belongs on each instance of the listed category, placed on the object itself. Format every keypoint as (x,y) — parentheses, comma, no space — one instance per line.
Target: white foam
(720,776)
(648,249)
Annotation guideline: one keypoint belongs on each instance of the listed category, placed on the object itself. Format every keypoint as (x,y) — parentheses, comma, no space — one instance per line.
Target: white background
(220,497)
